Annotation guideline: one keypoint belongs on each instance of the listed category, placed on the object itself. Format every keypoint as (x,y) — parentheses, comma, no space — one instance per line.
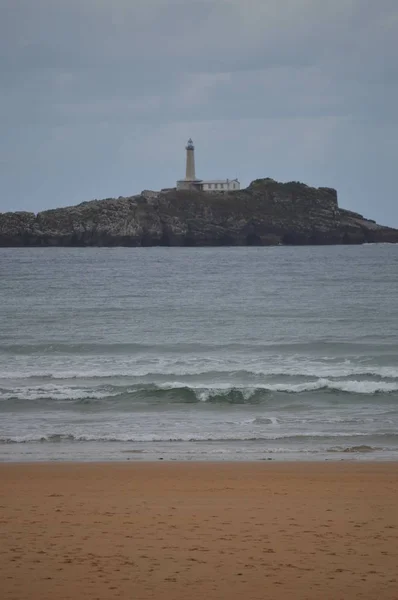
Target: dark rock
(266,213)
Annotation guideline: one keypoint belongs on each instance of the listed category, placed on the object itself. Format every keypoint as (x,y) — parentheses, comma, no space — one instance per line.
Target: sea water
(199,353)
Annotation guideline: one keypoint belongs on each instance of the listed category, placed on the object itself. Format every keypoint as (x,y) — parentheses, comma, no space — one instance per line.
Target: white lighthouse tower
(190,170)
(190,182)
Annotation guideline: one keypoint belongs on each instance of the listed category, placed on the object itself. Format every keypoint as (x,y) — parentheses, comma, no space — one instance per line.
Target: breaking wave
(385,439)
(177,392)
(363,448)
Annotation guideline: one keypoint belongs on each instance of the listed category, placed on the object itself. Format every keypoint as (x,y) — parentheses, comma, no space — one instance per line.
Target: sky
(99,97)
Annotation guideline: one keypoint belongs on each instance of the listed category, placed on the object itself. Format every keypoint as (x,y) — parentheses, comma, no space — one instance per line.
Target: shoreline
(177,461)
(247,451)
(140,529)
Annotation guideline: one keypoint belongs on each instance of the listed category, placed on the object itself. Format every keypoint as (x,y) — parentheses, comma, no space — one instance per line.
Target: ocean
(279,353)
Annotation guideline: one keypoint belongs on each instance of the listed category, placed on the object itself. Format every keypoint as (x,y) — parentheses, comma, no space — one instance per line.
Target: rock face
(265,213)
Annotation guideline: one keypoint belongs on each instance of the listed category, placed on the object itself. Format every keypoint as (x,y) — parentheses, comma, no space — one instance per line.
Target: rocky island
(265,213)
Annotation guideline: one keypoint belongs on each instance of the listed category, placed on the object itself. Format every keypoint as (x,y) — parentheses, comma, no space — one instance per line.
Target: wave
(204,370)
(363,448)
(312,369)
(263,421)
(177,392)
(386,438)
(56,392)
(250,392)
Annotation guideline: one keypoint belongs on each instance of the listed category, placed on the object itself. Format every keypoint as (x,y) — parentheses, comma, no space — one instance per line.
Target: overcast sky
(98,97)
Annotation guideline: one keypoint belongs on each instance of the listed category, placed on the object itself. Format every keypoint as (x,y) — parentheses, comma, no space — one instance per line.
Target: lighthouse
(191,183)
(190,168)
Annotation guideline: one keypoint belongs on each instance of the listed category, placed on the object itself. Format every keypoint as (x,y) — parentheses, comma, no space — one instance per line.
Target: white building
(206,185)
(220,185)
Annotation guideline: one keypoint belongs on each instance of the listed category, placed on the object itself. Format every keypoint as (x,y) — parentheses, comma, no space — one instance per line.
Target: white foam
(55,392)
(349,386)
(204,392)
(210,437)
(196,366)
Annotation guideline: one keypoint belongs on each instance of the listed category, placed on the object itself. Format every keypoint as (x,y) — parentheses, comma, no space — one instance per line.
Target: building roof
(219,180)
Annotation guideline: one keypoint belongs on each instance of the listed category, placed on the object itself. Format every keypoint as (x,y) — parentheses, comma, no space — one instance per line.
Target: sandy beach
(215,530)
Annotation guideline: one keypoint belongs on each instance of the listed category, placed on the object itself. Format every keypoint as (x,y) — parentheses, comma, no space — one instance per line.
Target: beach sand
(199,531)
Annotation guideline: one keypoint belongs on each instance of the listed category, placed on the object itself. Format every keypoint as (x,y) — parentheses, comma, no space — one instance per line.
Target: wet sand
(200,531)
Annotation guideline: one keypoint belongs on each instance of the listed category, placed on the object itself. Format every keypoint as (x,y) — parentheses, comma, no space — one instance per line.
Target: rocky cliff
(265,213)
